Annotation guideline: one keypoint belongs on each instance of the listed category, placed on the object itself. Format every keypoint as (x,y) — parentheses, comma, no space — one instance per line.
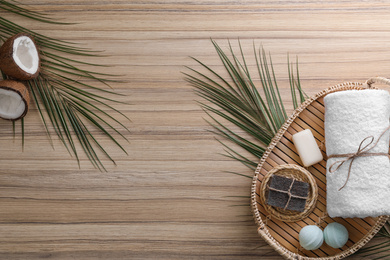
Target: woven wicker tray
(283,236)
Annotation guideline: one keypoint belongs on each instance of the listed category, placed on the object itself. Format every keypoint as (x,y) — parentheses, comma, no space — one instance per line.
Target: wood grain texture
(169,198)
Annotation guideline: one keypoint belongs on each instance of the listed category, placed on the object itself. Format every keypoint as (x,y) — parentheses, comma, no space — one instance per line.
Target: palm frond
(378,250)
(295,84)
(66,96)
(239,113)
(15,8)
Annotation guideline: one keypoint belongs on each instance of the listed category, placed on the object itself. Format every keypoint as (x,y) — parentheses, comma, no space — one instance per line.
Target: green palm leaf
(378,250)
(236,100)
(13,7)
(62,91)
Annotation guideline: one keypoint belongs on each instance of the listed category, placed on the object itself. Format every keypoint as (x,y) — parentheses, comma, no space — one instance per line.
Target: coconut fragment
(19,57)
(14,99)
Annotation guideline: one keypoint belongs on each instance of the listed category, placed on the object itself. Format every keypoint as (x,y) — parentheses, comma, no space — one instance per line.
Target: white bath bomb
(311,237)
(336,235)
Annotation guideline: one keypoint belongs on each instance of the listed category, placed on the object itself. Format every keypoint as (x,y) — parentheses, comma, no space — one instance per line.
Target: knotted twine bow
(288,192)
(363,151)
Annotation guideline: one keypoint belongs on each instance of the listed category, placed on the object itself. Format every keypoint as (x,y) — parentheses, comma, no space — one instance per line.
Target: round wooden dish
(283,236)
(290,171)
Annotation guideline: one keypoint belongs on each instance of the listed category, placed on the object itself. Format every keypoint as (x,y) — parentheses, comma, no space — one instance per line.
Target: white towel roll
(351,116)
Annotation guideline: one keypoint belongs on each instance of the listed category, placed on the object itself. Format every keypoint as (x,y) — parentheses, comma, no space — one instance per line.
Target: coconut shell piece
(19,57)
(14,99)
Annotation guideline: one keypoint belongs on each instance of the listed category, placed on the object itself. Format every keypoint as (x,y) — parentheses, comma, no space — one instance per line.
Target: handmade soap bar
(307,148)
(287,193)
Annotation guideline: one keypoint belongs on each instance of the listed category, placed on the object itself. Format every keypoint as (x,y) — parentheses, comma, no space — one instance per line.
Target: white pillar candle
(307,147)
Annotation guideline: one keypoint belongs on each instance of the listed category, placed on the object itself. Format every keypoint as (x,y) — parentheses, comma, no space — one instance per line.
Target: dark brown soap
(300,189)
(278,198)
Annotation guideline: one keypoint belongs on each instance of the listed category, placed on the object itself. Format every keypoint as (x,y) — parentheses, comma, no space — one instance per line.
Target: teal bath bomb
(311,237)
(336,235)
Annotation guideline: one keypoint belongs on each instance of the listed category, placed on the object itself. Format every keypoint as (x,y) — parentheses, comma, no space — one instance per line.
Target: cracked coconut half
(19,57)
(14,99)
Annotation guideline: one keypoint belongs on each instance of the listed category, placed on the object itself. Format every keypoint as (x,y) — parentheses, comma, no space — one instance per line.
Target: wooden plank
(312,120)
(170,198)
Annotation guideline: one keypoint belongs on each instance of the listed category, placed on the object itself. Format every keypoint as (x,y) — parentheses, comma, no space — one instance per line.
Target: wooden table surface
(170,198)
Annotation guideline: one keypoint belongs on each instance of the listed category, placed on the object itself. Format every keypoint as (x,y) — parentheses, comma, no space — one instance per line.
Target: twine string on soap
(362,151)
(288,192)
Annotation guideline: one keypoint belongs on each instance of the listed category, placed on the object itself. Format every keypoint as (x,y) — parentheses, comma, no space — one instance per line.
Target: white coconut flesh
(12,105)
(25,54)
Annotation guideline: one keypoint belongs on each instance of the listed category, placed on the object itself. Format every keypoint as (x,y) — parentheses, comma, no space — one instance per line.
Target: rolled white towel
(350,117)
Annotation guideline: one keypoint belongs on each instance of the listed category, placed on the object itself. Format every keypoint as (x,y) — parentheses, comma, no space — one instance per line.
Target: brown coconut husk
(21,89)
(7,62)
